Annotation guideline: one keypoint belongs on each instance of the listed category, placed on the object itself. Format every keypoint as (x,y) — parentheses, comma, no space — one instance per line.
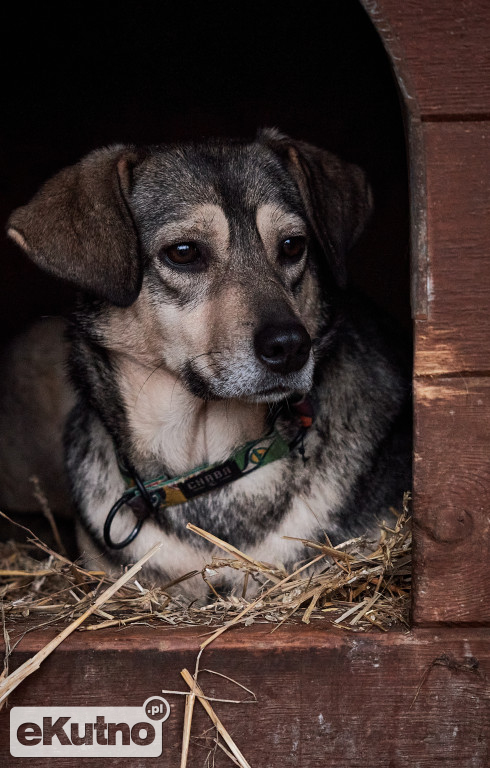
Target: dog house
(386,700)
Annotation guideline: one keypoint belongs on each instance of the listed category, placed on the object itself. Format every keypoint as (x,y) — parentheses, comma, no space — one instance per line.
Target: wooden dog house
(379,700)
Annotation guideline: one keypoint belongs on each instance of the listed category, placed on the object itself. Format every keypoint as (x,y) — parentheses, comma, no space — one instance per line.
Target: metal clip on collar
(151,505)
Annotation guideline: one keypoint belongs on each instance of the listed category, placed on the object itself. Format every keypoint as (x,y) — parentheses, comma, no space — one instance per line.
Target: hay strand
(246,610)
(10,682)
(188,712)
(197,691)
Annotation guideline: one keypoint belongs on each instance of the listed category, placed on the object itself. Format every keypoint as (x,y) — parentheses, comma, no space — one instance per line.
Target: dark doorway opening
(82,76)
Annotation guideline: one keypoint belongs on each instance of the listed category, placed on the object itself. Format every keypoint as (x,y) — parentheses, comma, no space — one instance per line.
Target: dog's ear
(336,196)
(80,228)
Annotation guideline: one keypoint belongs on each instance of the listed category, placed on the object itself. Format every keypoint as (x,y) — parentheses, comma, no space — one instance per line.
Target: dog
(35,401)
(214,314)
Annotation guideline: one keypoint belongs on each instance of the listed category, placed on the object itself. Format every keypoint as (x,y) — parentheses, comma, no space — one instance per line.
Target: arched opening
(161,74)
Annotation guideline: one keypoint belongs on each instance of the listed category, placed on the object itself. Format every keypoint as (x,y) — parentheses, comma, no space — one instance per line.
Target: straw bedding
(349,585)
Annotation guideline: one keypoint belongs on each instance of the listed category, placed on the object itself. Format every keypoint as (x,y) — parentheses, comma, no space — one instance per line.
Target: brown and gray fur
(165,361)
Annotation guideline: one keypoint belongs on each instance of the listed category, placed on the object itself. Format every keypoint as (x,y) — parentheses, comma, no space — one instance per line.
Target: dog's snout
(283,347)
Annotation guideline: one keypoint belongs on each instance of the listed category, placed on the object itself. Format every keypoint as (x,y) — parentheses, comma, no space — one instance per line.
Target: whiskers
(162,365)
(155,369)
(209,364)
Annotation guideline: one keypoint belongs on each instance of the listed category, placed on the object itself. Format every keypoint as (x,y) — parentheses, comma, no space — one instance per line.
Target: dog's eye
(182,253)
(292,249)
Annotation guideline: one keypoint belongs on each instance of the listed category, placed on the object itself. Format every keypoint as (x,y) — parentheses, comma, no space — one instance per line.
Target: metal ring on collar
(108,525)
(151,502)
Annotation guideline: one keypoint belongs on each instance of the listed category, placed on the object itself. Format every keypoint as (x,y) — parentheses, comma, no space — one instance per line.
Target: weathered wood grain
(456,335)
(451,566)
(440,56)
(440,50)
(325,698)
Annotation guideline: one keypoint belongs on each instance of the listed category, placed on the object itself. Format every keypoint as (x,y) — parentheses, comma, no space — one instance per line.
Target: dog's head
(209,255)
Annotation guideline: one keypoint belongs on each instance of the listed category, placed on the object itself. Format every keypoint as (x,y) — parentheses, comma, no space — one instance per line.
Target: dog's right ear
(336,195)
(79,226)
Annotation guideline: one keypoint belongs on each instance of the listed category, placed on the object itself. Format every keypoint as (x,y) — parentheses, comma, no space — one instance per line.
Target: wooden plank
(456,335)
(452,501)
(440,53)
(325,698)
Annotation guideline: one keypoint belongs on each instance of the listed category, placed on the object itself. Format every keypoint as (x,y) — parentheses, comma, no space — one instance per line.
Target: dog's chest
(265,513)
(253,512)
(171,428)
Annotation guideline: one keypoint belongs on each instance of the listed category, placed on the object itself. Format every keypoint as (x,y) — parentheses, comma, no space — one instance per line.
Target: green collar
(149,497)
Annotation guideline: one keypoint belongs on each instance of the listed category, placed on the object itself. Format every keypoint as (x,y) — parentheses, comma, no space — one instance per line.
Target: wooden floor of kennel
(329,698)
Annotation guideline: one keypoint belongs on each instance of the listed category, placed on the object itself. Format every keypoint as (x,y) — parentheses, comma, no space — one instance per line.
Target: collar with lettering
(149,497)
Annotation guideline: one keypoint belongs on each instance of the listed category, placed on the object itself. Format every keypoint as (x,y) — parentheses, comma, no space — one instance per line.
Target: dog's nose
(283,347)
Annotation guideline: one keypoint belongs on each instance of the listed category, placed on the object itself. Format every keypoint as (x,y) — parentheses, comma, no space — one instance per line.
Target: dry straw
(197,692)
(352,585)
(348,585)
(10,682)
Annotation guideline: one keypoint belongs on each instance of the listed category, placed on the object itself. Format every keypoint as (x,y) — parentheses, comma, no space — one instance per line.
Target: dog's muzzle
(283,347)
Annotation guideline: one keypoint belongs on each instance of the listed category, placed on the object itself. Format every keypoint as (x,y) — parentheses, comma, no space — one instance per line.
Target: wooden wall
(326,699)
(440,52)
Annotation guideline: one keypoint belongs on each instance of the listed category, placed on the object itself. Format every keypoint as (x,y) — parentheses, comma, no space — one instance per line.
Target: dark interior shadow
(81,76)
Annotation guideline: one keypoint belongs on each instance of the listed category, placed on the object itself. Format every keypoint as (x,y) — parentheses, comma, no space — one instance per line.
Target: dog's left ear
(336,196)
(79,226)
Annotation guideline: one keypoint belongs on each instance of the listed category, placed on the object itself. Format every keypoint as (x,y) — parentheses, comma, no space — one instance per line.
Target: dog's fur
(164,358)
